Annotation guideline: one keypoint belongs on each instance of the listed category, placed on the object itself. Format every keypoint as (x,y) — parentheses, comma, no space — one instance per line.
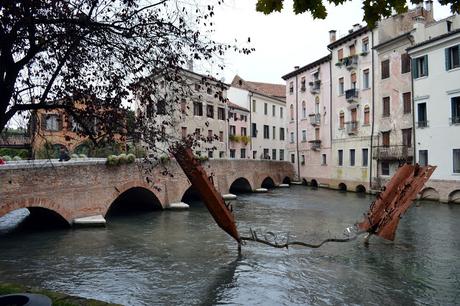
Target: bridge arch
(429,194)
(314,183)
(454,196)
(240,185)
(360,189)
(268,183)
(342,187)
(190,195)
(287,180)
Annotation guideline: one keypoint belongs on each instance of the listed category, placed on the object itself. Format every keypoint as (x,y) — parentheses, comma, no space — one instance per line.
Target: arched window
(291,112)
(341,120)
(304,110)
(366,114)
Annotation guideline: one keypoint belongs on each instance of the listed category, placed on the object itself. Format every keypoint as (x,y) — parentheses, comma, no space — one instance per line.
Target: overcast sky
(282,40)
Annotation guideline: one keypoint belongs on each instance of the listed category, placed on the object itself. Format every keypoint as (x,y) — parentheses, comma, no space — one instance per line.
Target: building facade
(238,131)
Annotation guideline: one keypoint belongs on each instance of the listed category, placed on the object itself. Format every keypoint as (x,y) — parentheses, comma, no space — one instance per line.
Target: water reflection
(182,257)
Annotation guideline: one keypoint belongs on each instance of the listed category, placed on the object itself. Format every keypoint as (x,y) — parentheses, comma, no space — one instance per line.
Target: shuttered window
(420,66)
(386,107)
(340,54)
(405,63)
(407,102)
(385,69)
(452,57)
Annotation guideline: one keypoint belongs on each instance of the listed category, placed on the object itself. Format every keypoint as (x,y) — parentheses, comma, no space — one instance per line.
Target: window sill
(365,89)
(366,124)
(324,165)
(454,69)
(421,78)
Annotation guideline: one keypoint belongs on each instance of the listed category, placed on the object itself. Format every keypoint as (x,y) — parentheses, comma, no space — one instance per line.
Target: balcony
(315,145)
(352,127)
(422,124)
(351,95)
(315,119)
(394,152)
(315,86)
(454,120)
(351,62)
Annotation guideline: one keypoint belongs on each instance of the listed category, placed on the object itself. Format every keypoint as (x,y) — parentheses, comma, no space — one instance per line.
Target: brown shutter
(340,54)
(352,50)
(353,77)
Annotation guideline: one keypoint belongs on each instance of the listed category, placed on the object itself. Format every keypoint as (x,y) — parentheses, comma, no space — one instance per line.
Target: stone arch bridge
(79,189)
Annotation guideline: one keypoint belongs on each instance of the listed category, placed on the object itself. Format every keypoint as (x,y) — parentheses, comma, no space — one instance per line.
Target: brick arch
(454,196)
(429,193)
(118,190)
(37,202)
(233,179)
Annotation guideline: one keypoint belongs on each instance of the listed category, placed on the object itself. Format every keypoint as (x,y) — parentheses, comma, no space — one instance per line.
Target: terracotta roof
(267,89)
(236,106)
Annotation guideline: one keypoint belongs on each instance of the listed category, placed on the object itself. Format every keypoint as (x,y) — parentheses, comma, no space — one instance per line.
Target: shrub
(131,158)
(112,160)
(234,138)
(74,155)
(245,139)
(17,158)
(82,156)
(7,158)
(23,153)
(123,159)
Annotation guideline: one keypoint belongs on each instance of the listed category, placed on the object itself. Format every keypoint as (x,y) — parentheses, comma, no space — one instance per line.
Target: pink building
(238,127)
(309,116)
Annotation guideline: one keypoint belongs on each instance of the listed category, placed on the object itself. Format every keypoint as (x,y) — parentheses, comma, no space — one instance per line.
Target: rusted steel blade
(383,216)
(210,196)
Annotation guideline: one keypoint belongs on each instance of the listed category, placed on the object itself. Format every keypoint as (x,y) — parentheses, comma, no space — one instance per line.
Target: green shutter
(414,68)
(425,65)
(447,53)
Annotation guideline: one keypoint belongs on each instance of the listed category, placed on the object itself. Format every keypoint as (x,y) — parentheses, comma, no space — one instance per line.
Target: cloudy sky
(282,40)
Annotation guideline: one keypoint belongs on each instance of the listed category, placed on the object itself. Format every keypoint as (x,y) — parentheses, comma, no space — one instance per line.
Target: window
(304,110)
(281,133)
(407,101)
(232,130)
(254,154)
(266,154)
(455,109)
(221,136)
(341,89)
(197,132)
(266,132)
(292,137)
(423,157)
(405,63)
(161,107)
(197,109)
(340,152)
(281,154)
(274,154)
(421,115)
(323,160)
(407,137)
(456,160)
(365,48)
(385,69)
(281,112)
(341,120)
(243,131)
(386,107)
(254,105)
(293,158)
(209,91)
(210,111)
(340,54)
(302,84)
(210,135)
(221,154)
(274,132)
(317,134)
(52,123)
(183,106)
(452,57)
(291,88)
(291,112)
(302,159)
(386,139)
(366,78)
(365,158)
(304,135)
(197,87)
(352,157)
(353,80)
(265,109)
(243,153)
(273,110)
(317,105)
(385,168)
(210,154)
(254,130)
(352,50)
(420,66)
(221,113)
(184,132)
(366,115)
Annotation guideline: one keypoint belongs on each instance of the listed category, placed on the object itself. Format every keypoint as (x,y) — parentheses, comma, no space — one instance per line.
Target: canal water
(183,258)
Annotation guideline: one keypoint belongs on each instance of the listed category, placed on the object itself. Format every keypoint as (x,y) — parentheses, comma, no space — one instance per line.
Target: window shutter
(60,120)
(425,64)
(414,68)
(453,109)
(447,58)
(43,121)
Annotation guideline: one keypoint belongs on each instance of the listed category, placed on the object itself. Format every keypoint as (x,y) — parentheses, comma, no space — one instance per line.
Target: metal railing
(351,94)
(315,144)
(352,127)
(393,152)
(351,62)
(315,86)
(315,119)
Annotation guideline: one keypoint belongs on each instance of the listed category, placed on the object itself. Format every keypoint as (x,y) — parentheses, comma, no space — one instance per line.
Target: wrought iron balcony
(315,144)
(351,62)
(315,86)
(454,120)
(393,152)
(352,127)
(315,119)
(422,124)
(351,95)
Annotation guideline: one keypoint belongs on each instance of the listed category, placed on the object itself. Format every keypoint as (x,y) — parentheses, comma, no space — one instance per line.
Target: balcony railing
(315,86)
(315,144)
(393,152)
(352,127)
(351,95)
(351,62)
(315,119)
(454,120)
(422,124)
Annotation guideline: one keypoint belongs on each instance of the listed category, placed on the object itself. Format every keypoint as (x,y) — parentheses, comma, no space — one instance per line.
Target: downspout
(250,121)
(373,114)
(414,159)
(330,103)
(297,123)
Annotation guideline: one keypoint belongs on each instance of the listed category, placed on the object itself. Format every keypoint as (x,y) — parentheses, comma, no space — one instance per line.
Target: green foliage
(7,158)
(201,158)
(164,158)
(112,160)
(48,151)
(373,10)
(234,138)
(23,153)
(123,159)
(131,158)
(74,156)
(245,139)
(137,150)
(82,156)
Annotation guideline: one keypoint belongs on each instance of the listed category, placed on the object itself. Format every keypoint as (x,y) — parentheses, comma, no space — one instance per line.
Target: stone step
(261,190)
(229,196)
(178,206)
(283,185)
(296,183)
(97,220)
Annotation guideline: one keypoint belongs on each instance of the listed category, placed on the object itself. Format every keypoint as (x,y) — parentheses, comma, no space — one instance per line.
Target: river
(183,258)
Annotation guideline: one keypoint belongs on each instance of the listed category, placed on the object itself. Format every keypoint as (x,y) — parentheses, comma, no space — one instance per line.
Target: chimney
(332,36)
(356,27)
(296,67)
(429,9)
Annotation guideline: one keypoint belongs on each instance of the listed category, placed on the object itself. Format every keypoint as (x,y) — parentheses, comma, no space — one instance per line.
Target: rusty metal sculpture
(203,184)
(383,216)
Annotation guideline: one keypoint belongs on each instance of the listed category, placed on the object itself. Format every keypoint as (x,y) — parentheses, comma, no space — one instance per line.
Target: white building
(436,90)
(267,116)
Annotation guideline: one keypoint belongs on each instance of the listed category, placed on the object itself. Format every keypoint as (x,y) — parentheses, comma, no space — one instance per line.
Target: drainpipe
(330,104)
(414,159)
(373,113)
(297,122)
(250,121)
